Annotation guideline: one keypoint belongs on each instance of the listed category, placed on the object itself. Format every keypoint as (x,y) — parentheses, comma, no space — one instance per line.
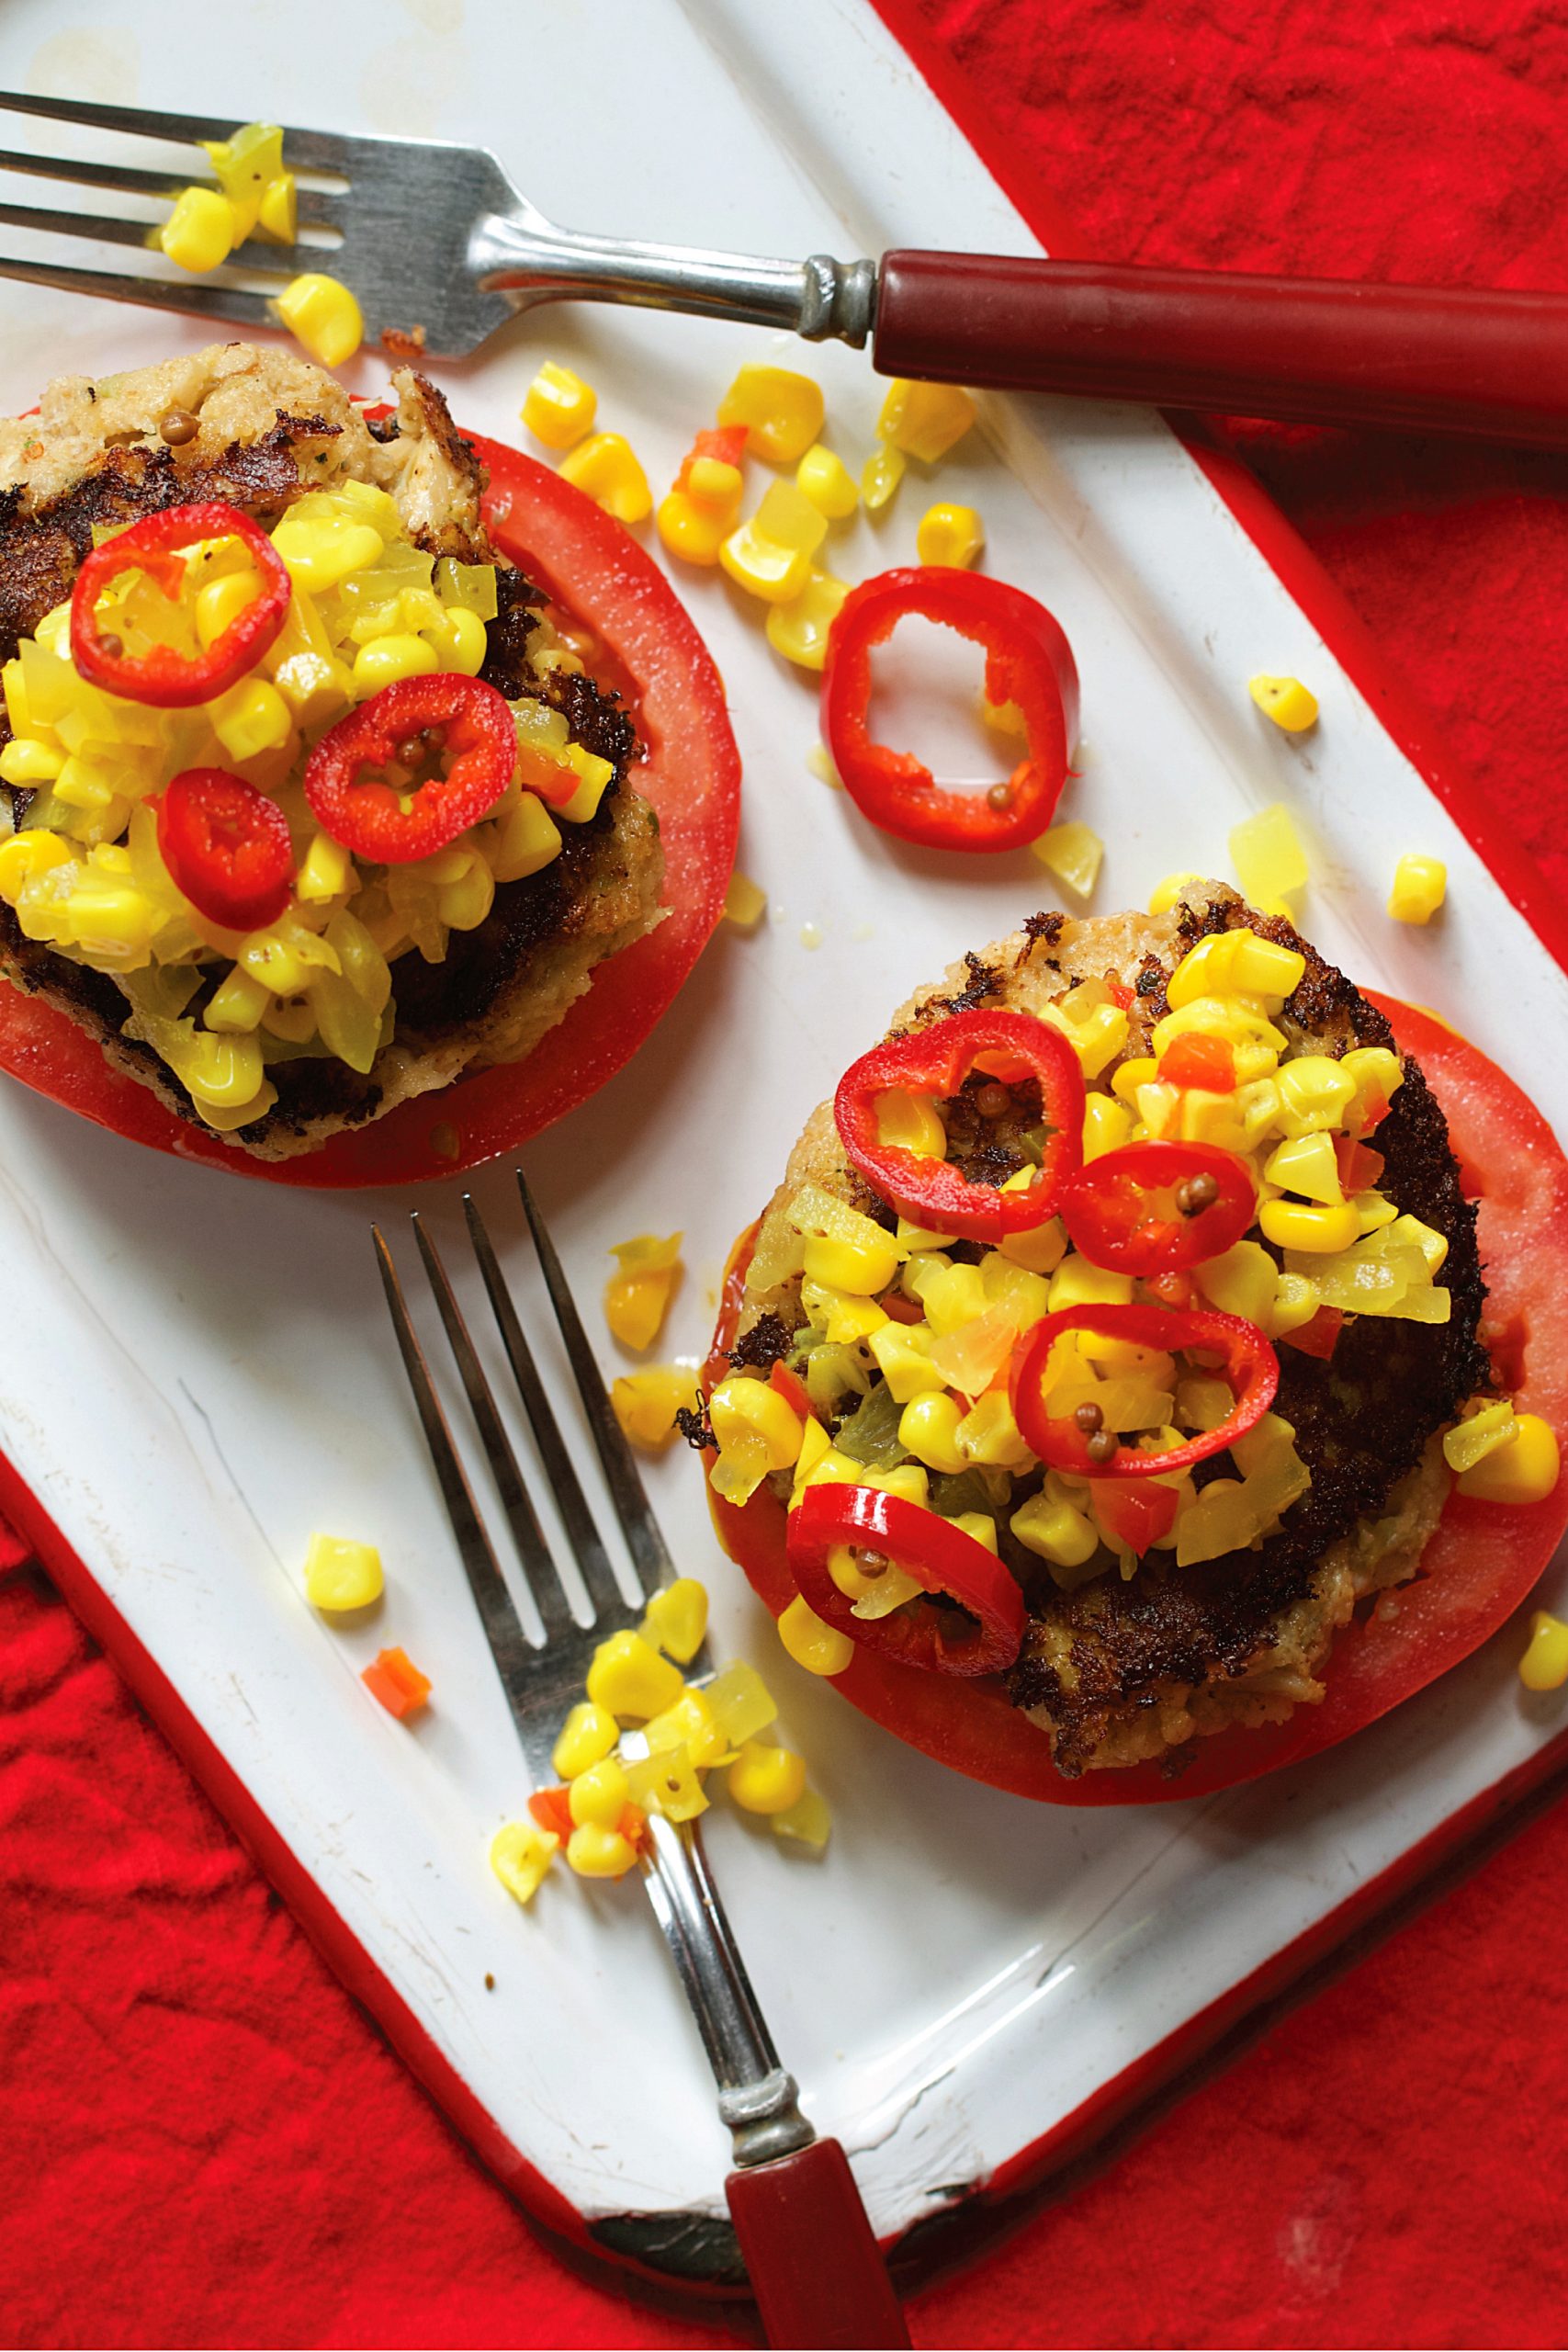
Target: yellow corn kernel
(319,551)
(1236,963)
(558,407)
(637,1297)
(807,1822)
(1524,1472)
(1479,1435)
(1077,1282)
(1073,853)
(828,482)
(386,659)
(238,1004)
(225,1118)
(341,1574)
(278,211)
(1286,701)
(519,1854)
(1241,1281)
(1300,1224)
(460,639)
(741,1407)
(1041,1248)
(593,1852)
(799,629)
(224,1071)
(606,469)
(843,1316)
(860,1268)
(222,601)
(1544,1666)
(1306,1164)
(26,761)
(1420,885)
(951,1295)
(691,1725)
(1128,1077)
(1314,1092)
(924,420)
(694,532)
(781,409)
(1374,1069)
(1174,890)
(819,1647)
(245,166)
(881,475)
(586,1737)
(251,718)
(326,871)
(629,1678)
(950,535)
(911,1121)
(523,841)
(323,315)
(600,1794)
(710,481)
(744,903)
(198,234)
(667,1784)
(901,1353)
(1107,1125)
(928,1427)
(677,1616)
(646,1403)
(1056,1532)
(766,1779)
(1268,855)
(770,555)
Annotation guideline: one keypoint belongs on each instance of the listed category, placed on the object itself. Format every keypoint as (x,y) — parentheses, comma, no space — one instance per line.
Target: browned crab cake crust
(270,427)
(1119,1671)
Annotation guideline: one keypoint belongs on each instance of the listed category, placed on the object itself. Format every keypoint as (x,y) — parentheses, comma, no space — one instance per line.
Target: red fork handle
(816,2271)
(1319,351)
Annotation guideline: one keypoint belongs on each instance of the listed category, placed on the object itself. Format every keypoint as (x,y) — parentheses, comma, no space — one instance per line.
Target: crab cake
(1125,1655)
(477,977)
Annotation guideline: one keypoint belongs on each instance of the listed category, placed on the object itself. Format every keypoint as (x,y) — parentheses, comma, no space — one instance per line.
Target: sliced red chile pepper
(1028,664)
(1109,1208)
(939,1556)
(350,800)
(1247,1365)
(168,679)
(793,1390)
(226,846)
(1011,1046)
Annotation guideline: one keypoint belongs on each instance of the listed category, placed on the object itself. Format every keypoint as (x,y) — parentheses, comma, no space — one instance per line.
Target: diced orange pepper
(551,1808)
(1194,1059)
(394,1679)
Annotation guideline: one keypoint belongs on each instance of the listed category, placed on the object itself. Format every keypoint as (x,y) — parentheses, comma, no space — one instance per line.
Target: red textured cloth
(204,2140)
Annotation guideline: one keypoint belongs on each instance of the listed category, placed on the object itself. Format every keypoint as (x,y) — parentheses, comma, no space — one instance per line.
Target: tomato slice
(1482,1561)
(599,580)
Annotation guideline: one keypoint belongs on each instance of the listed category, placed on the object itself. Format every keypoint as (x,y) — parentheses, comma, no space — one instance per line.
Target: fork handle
(815,2267)
(1318,351)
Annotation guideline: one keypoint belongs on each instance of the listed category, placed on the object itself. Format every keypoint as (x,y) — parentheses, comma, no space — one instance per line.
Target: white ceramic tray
(200,1370)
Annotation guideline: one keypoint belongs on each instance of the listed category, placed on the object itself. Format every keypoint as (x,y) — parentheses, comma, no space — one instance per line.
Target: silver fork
(434,238)
(813,2262)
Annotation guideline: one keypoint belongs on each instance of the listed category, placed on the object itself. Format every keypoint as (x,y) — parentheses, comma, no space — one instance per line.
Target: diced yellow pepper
(246,165)
(198,234)
(1524,1472)
(881,475)
(1479,1435)
(1306,1164)
(1073,853)
(587,1737)
(628,1678)
(741,1702)
(799,629)
(911,1120)
(1241,1281)
(646,1403)
(1078,1282)
(326,871)
(323,315)
(677,1616)
(782,409)
(519,1854)
(1314,1092)
(1040,1249)
(559,406)
(1544,1666)
(606,469)
(842,1316)
(1268,855)
(819,1647)
(691,1724)
(924,420)
(667,1784)
(1107,1125)
(828,482)
(948,534)
(593,1852)
(1420,885)
(766,1779)
(988,1434)
(341,1574)
(524,841)
(744,902)
(1286,701)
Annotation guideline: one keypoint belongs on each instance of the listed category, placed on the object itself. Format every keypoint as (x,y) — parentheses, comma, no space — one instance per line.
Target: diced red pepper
(1360,1168)
(1120,992)
(791,1388)
(1247,1365)
(1136,1516)
(933,1193)
(1318,1338)
(394,1679)
(938,1554)
(633,1826)
(1171,1290)
(551,1808)
(1194,1059)
(460,723)
(227,847)
(724,443)
(165,678)
(1028,664)
(1107,1208)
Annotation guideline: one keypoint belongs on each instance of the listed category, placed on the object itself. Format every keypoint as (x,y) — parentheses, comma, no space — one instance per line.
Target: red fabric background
(205,2142)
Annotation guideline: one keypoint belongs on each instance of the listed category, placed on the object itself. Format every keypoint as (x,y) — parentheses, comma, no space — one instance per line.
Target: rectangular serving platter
(199,1371)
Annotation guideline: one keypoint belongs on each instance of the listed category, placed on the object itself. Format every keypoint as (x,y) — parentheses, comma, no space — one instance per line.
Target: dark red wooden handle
(815,2268)
(1316,350)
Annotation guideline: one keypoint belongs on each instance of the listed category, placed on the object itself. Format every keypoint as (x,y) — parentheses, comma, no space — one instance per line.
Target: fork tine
(129,179)
(232,302)
(533,1550)
(311,150)
(498,1613)
(588,1546)
(285,261)
(644,1540)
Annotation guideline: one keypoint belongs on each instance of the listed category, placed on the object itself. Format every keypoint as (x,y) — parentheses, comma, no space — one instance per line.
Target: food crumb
(811,934)
(443,1140)
(820,764)
(745,902)
(490,1982)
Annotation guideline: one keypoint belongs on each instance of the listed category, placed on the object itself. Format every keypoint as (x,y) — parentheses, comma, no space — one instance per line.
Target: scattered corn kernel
(924,420)
(198,234)
(740,1409)
(594,1853)
(558,407)
(819,1647)
(950,535)
(690,529)
(1524,1472)
(1268,855)
(769,554)
(745,902)
(1286,701)
(781,409)
(807,1822)
(587,1737)
(606,469)
(881,475)
(341,1573)
(646,1403)
(1420,885)
(599,1794)
(799,628)
(323,315)
(637,1298)
(1479,1435)
(397,1682)
(1073,853)
(677,1618)
(519,1854)
(767,1779)
(1544,1666)
(828,482)
(628,1678)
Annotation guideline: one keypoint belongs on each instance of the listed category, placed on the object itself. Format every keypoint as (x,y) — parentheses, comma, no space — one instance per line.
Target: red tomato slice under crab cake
(1467,1134)
(632,652)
